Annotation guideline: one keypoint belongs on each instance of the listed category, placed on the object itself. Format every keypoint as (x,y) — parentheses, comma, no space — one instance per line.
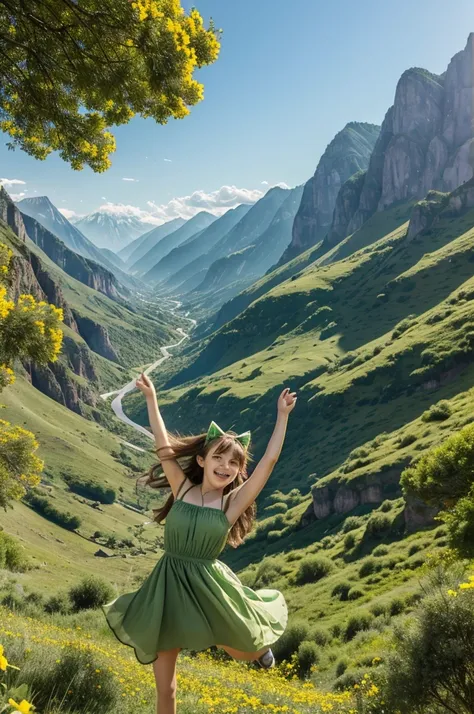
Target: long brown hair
(185,450)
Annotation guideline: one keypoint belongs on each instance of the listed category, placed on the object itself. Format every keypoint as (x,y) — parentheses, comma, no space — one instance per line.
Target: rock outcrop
(96,336)
(436,206)
(10,215)
(348,153)
(338,496)
(426,141)
(86,271)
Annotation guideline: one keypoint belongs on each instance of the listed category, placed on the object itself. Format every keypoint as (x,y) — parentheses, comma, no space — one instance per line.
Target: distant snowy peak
(108,230)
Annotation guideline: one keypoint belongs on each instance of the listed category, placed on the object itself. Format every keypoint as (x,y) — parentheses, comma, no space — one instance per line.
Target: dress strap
(185,492)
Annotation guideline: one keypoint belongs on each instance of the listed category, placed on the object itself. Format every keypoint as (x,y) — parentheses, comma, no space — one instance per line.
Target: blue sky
(290,75)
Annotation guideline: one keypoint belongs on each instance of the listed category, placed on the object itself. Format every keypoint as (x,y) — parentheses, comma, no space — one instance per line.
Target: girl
(191,599)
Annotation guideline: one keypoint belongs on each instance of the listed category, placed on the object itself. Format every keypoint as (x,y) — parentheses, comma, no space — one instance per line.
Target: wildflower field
(97,676)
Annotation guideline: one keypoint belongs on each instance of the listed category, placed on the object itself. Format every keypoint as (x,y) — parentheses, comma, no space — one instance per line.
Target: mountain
(195,246)
(103,338)
(425,143)
(146,263)
(108,230)
(348,153)
(233,273)
(137,249)
(48,215)
(113,258)
(246,232)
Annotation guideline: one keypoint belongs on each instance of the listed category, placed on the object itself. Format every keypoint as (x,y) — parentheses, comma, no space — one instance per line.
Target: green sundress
(193,600)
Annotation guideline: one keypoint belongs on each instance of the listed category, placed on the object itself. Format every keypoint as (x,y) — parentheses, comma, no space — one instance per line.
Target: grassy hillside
(71,445)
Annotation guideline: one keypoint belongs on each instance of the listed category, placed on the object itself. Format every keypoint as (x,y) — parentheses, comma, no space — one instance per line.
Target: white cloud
(264,183)
(67,213)
(130,179)
(216,202)
(169,160)
(103,198)
(17,196)
(11,182)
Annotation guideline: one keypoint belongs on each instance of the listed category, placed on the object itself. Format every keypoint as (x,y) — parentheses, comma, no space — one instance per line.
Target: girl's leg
(248,656)
(164,669)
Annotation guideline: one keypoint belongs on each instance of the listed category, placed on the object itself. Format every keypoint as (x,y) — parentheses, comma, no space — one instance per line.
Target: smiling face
(221,464)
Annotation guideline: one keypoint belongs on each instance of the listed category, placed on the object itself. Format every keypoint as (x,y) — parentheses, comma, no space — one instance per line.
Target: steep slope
(426,139)
(348,153)
(135,250)
(107,230)
(249,263)
(102,337)
(113,258)
(197,223)
(47,214)
(195,246)
(244,233)
(369,341)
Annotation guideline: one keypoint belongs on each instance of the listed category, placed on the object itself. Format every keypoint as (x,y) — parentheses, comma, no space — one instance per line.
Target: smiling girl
(191,599)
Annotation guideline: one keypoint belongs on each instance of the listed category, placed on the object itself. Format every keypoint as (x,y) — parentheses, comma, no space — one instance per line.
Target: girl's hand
(146,386)
(286,401)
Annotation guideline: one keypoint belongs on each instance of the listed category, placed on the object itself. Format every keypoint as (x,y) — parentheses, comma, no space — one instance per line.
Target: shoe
(267,660)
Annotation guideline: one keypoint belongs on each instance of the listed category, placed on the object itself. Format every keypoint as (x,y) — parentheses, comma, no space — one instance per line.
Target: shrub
(437,412)
(380,550)
(12,556)
(90,593)
(397,606)
(89,489)
(318,635)
(35,598)
(406,440)
(267,572)
(351,523)
(355,593)
(313,569)
(341,667)
(460,525)
(368,567)
(307,656)
(414,548)
(349,541)
(45,508)
(377,525)
(278,507)
(386,506)
(431,661)
(341,590)
(290,640)
(58,603)
(349,679)
(336,630)
(50,679)
(357,623)
(378,608)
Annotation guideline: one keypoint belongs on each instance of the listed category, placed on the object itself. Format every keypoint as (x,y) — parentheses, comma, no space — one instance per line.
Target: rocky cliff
(426,142)
(348,153)
(86,271)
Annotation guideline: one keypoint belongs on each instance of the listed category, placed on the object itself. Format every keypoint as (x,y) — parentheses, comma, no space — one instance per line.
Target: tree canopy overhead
(70,69)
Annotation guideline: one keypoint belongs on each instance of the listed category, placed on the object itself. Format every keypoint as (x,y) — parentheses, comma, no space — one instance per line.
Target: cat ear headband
(215,431)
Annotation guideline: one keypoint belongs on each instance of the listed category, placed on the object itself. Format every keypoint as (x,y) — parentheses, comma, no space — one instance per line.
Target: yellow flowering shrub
(29,329)
(141,62)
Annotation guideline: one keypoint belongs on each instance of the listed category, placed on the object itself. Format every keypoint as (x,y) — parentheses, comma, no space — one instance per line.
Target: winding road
(119,394)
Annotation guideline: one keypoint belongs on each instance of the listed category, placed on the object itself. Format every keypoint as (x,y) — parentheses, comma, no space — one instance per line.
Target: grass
(125,686)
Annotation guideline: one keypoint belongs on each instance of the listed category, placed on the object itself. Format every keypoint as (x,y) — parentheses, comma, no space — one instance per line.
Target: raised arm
(171,468)
(242,497)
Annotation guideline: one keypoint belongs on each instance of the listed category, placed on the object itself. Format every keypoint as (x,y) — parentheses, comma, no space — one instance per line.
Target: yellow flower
(452,593)
(24,707)
(3,660)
